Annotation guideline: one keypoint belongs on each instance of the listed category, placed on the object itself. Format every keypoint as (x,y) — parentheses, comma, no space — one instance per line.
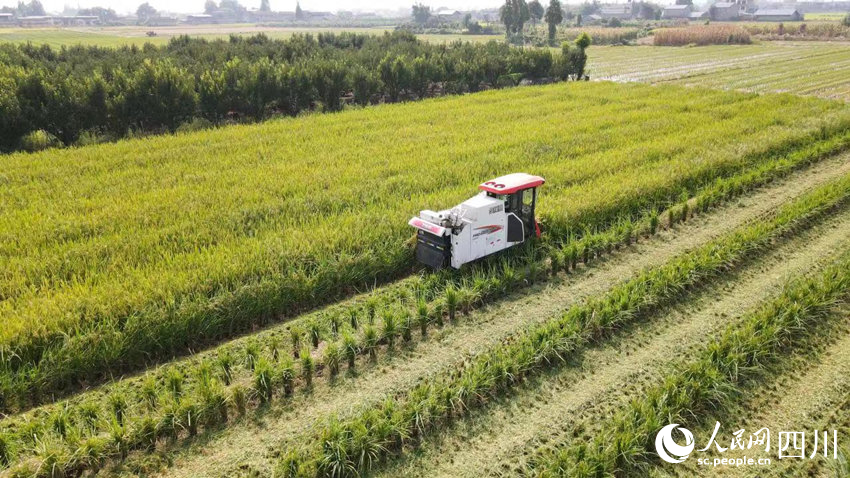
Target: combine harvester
(499,217)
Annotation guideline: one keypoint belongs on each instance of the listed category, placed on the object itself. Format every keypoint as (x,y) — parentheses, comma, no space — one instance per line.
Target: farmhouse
(726,11)
(676,11)
(78,20)
(36,21)
(319,15)
(696,16)
(621,11)
(199,19)
(6,19)
(447,15)
(778,15)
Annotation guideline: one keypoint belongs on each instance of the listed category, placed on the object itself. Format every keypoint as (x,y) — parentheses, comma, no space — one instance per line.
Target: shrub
(39,140)
(195,124)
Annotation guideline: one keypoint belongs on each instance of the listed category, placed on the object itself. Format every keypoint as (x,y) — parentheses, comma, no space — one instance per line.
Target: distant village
(231,11)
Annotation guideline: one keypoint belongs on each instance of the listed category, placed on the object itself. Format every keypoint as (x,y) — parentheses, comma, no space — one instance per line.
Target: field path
(248,445)
(608,376)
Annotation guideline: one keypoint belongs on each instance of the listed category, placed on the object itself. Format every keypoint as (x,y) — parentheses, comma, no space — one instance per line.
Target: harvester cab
(499,217)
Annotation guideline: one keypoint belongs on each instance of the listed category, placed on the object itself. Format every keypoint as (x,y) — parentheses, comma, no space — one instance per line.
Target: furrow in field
(499,441)
(484,328)
(809,395)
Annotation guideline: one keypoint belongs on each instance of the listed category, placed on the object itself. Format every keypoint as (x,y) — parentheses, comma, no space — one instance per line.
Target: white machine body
(500,216)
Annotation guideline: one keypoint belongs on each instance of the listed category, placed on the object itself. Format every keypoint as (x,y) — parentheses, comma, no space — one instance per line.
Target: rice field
(132,35)
(804,68)
(103,279)
(243,301)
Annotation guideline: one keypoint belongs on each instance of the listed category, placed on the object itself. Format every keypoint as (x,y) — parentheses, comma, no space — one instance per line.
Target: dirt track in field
(607,377)
(250,444)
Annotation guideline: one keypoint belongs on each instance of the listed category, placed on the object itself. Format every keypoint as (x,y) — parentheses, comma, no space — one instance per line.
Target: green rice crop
(338,447)
(115,255)
(505,276)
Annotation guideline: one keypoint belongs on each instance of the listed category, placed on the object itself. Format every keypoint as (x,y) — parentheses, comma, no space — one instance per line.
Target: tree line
(79,95)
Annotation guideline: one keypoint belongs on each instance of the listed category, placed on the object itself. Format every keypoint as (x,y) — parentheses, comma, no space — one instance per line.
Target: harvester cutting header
(500,216)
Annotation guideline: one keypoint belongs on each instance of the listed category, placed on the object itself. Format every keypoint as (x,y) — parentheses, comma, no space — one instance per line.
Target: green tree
(330,80)
(365,85)
(103,14)
(535,11)
(34,8)
(421,13)
(12,124)
(423,73)
(554,17)
(514,14)
(846,20)
(265,6)
(210,6)
(157,96)
(394,75)
(299,14)
(145,12)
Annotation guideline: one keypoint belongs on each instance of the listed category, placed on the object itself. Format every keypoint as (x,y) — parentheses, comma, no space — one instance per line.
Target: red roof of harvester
(511,183)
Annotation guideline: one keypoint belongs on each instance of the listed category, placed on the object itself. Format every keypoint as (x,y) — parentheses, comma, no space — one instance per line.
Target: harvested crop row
(818,69)
(712,382)
(357,444)
(234,366)
(601,379)
(48,360)
(809,391)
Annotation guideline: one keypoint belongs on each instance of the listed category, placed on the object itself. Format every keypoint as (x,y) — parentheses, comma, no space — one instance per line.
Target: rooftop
(776,11)
(511,183)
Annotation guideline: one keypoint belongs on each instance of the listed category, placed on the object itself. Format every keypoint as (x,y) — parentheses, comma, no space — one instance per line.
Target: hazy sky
(188,6)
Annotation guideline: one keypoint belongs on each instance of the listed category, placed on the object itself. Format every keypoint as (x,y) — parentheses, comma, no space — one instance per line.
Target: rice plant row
(177,281)
(329,325)
(710,383)
(362,329)
(804,68)
(351,446)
